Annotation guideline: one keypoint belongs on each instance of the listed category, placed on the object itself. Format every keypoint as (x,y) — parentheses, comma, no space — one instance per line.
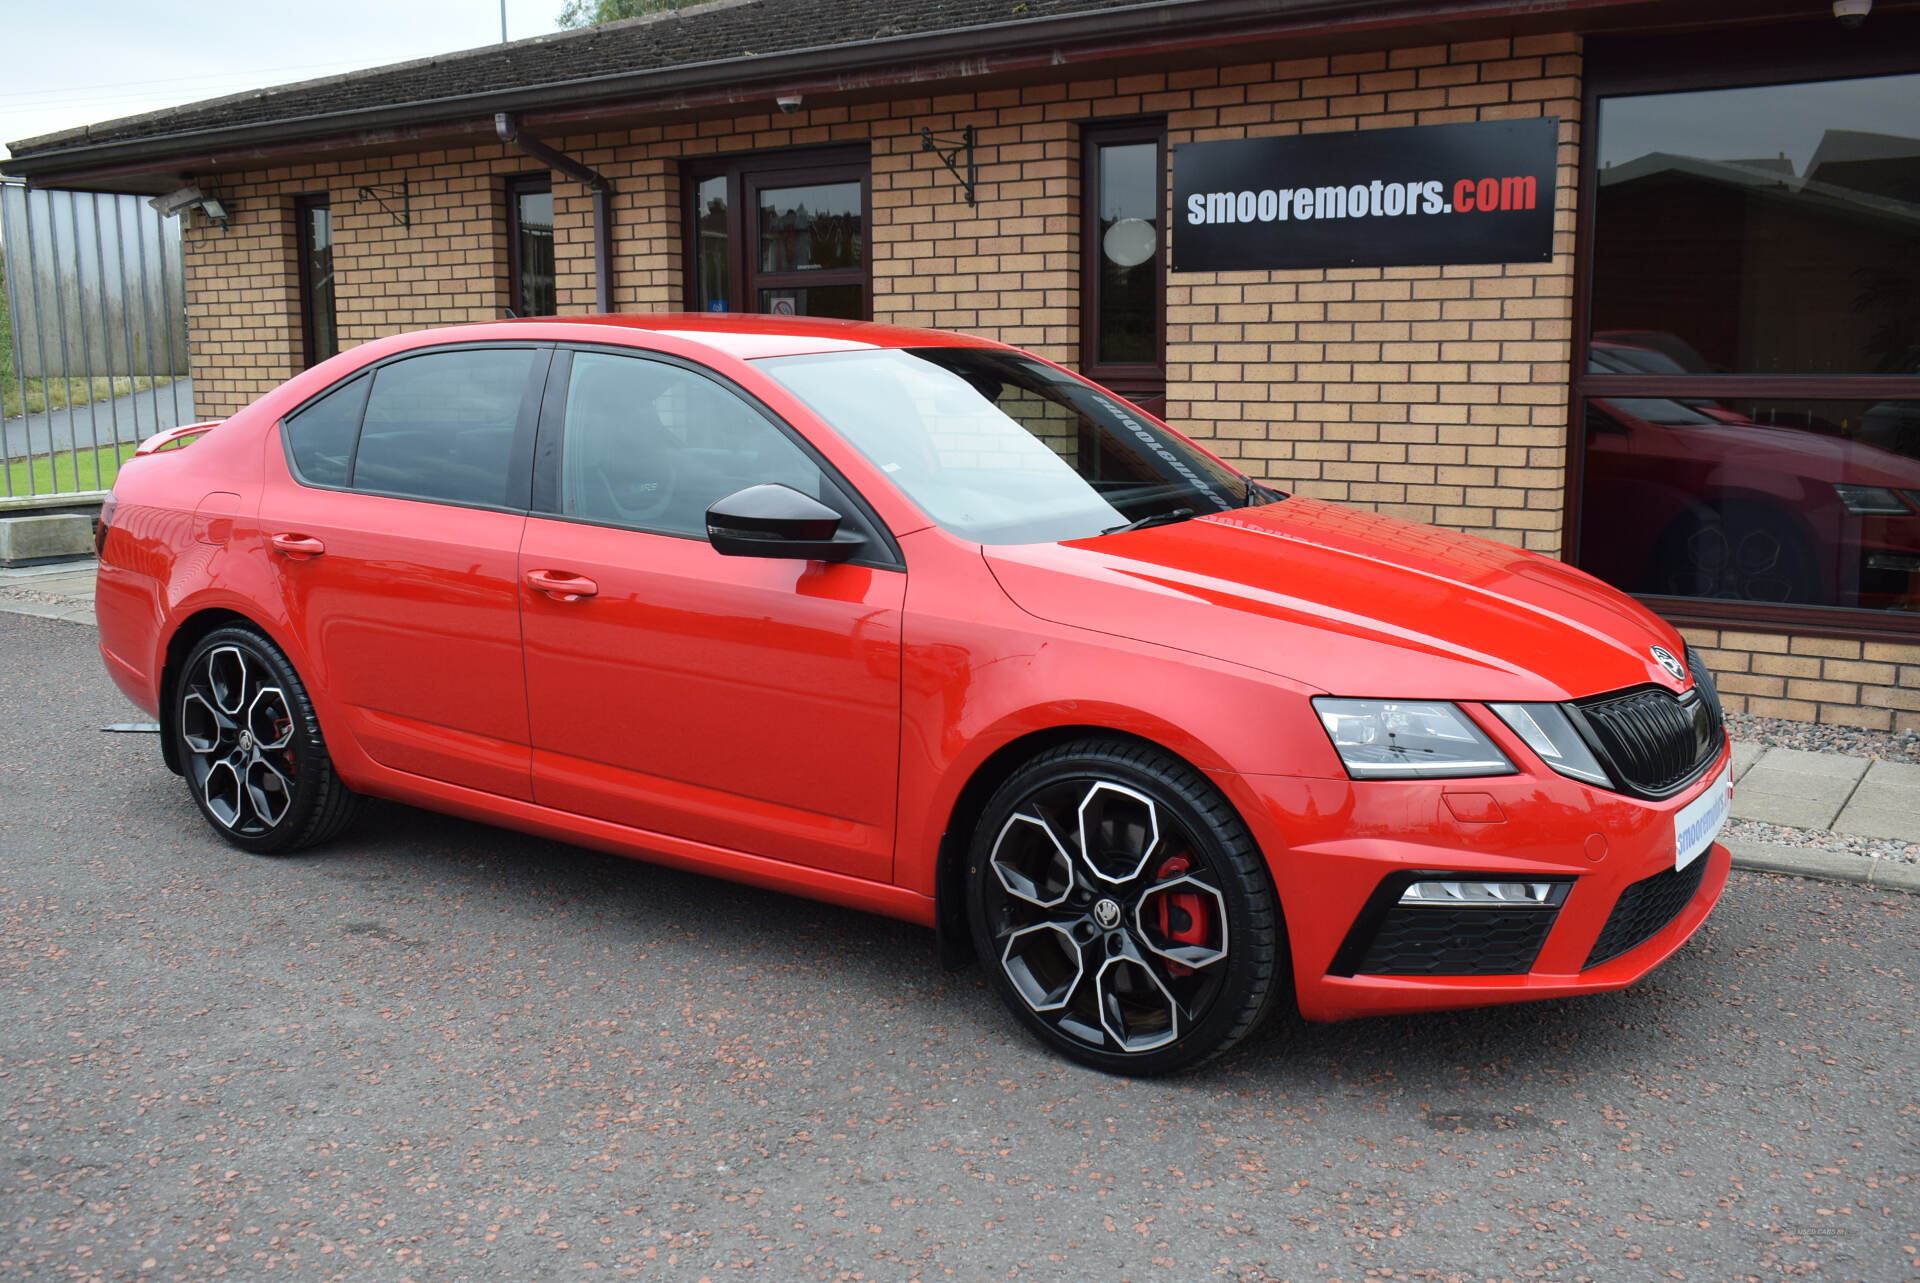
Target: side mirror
(778,521)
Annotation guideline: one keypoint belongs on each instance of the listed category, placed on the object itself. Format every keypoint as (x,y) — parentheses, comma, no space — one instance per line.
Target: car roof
(749,336)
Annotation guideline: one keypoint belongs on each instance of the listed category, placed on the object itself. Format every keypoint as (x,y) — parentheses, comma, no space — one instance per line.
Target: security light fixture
(1852,12)
(182,199)
(177,201)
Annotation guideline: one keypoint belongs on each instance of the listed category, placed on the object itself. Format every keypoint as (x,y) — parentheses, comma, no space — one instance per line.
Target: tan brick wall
(1437,394)
(243,294)
(242,300)
(1433,393)
(1814,679)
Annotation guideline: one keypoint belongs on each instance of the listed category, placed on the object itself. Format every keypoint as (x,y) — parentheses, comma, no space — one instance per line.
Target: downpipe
(507,126)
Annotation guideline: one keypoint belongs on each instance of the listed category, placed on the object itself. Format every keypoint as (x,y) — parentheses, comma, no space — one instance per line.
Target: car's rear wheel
(1123,910)
(251,745)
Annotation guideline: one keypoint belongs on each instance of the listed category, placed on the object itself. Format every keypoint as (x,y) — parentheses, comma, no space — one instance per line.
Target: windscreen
(1000,448)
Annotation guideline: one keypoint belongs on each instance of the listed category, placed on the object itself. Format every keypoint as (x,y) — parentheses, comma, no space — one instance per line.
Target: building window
(1749,408)
(1123,259)
(782,233)
(530,246)
(320,329)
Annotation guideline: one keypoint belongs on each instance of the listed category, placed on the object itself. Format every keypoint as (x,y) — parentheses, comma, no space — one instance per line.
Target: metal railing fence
(96,311)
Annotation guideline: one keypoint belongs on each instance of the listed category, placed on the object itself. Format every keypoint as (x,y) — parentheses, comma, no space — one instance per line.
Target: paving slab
(1745,754)
(1886,804)
(61,591)
(1797,789)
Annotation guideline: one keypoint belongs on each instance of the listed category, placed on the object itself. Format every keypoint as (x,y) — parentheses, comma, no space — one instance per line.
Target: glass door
(780,236)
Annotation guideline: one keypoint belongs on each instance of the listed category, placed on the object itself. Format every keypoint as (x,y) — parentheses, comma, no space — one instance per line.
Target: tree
(591,13)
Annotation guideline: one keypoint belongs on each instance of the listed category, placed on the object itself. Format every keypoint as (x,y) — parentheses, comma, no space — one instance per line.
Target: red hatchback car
(922,624)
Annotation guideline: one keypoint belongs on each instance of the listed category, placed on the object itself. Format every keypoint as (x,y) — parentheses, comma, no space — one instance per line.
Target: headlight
(1383,739)
(1870,501)
(1548,731)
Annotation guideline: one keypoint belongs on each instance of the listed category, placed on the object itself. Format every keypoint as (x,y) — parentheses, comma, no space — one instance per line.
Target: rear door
(745,702)
(396,526)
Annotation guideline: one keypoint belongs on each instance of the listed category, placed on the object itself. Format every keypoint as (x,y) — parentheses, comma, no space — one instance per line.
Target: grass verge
(68,471)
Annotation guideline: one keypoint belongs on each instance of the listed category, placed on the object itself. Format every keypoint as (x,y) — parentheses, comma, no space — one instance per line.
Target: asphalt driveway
(441,1051)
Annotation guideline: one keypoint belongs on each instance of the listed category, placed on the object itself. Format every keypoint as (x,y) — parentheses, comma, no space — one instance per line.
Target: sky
(78,62)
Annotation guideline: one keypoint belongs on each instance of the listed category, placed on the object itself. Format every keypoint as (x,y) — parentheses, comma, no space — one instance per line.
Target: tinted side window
(652,445)
(322,434)
(441,426)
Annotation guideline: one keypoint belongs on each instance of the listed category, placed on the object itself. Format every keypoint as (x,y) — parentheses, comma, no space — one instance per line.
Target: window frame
(1737,59)
(303,207)
(544,500)
(1125,377)
(520,459)
(516,185)
(751,171)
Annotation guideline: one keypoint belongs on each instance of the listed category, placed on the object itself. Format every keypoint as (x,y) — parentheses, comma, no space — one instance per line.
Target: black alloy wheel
(1122,909)
(251,747)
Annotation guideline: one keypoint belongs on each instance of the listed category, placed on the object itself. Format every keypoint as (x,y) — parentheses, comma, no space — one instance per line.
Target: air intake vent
(1644,909)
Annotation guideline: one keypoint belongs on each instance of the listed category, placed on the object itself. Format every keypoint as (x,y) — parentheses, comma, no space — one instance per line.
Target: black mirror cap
(778,521)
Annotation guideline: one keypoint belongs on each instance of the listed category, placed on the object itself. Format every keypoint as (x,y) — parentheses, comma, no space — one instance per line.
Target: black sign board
(1423,196)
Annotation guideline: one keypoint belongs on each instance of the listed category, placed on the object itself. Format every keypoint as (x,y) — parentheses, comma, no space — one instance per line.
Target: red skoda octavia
(925,625)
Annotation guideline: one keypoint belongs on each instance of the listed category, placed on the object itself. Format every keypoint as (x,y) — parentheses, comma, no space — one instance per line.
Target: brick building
(1706,388)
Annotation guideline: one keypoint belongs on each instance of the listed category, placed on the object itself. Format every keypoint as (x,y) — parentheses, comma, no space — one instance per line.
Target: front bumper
(1332,844)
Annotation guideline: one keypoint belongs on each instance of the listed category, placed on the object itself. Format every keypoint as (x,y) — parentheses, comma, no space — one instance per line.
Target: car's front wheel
(1123,910)
(251,746)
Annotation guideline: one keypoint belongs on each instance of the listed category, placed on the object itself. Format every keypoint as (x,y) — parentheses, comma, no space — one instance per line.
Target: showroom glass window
(1751,386)
(530,246)
(320,332)
(782,233)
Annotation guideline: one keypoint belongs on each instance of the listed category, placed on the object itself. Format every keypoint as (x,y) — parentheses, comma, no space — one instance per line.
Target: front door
(395,532)
(782,234)
(748,703)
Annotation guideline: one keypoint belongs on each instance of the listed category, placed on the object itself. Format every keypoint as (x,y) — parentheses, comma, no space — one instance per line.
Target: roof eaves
(855,64)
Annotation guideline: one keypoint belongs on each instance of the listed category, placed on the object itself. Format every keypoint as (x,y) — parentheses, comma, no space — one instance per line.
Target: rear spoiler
(169,438)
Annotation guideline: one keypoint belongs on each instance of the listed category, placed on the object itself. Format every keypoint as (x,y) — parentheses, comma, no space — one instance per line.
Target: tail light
(102,524)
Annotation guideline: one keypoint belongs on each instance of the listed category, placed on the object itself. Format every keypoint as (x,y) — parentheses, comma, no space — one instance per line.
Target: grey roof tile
(728,32)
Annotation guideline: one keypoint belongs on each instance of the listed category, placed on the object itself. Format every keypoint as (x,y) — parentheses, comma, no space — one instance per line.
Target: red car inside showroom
(922,624)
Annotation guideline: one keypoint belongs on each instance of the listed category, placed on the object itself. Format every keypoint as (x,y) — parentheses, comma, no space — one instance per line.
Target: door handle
(297,546)
(561,586)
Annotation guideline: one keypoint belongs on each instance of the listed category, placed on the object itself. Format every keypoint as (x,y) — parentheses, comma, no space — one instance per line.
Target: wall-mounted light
(177,201)
(182,199)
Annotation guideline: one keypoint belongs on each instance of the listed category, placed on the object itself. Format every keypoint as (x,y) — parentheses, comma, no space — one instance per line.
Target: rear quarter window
(321,436)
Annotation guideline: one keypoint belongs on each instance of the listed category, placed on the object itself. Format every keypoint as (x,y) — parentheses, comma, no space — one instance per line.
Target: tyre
(251,745)
(1122,909)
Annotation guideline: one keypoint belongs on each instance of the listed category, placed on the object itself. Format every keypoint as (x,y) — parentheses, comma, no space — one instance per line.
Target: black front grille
(1439,940)
(1655,741)
(1644,909)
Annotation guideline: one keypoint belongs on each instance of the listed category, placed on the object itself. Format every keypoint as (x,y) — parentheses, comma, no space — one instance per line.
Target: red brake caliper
(1182,915)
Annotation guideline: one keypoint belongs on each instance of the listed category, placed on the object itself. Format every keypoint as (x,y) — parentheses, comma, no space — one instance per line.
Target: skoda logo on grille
(1666,660)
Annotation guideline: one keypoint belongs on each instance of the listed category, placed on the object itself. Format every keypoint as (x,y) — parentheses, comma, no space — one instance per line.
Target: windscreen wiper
(1157,519)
